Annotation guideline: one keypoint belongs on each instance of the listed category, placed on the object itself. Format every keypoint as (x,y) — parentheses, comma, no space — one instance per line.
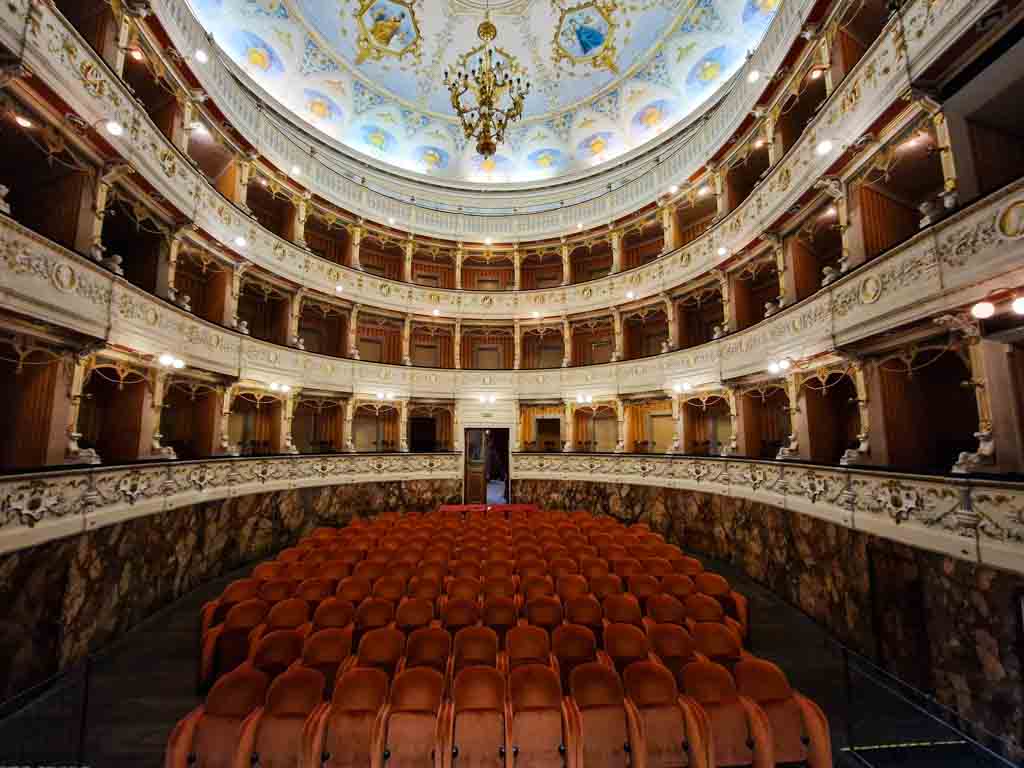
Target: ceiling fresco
(607,75)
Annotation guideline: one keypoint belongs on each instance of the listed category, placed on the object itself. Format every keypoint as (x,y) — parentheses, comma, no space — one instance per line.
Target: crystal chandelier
(493,86)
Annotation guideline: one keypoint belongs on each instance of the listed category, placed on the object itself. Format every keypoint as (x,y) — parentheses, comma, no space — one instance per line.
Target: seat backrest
(232,642)
(428,647)
(665,609)
(562,566)
(302,570)
(315,589)
(679,585)
(424,587)
(712,584)
(374,612)
(531,567)
(411,732)
(413,614)
(325,651)
(713,688)
(333,613)
(685,564)
(673,645)
(590,567)
(381,649)
(603,587)
(572,645)
(500,614)
(359,696)
(527,645)
(390,588)
(625,644)
(464,589)
(288,614)
(291,699)
(642,586)
(571,586)
(658,567)
(370,570)
(767,685)
(652,690)
(478,730)
(537,586)
(498,569)
(475,646)
(703,608)
(499,586)
(465,569)
(719,643)
(231,700)
(335,569)
(459,614)
(355,589)
(622,609)
(271,569)
(276,651)
(276,590)
(544,611)
(598,697)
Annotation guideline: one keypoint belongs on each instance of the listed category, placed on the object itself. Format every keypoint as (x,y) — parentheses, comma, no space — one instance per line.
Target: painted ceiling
(607,76)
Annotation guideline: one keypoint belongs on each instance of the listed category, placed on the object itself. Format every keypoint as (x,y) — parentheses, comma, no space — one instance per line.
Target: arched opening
(433,267)
(114,400)
(488,272)
(540,427)
(375,427)
(816,247)
(327,237)
(487,348)
(323,328)
(542,348)
(318,425)
(381,257)
(255,424)
(832,417)
(542,269)
(590,261)
(931,412)
(430,428)
(596,428)
(264,309)
(707,426)
(190,418)
(593,341)
(642,245)
(644,333)
(765,421)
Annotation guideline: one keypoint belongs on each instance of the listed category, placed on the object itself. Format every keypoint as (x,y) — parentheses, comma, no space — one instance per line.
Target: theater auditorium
(512,383)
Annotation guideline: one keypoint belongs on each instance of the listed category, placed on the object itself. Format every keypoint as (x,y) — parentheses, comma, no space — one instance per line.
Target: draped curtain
(532,275)
(884,221)
(443,271)
(528,415)
(390,338)
(504,343)
(388,259)
(443,342)
(472,275)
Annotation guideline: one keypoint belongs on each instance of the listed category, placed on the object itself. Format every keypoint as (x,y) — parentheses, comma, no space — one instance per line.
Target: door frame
(487,460)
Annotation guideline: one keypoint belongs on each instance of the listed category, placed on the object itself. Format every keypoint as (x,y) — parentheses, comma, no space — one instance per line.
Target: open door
(487,462)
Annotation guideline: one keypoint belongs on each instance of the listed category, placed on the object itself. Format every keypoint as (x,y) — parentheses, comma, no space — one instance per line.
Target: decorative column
(349,412)
(566,265)
(566,342)
(457,427)
(355,238)
(407,340)
(768,129)
(620,426)
(617,333)
(670,232)
(786,295)
(294,318)
(517,346)
(732,400)
(409,246)
(80,364)
(678,407)
(823,60)
(403,425)
(616,240)
(517,268)
(89,235)
(458,267)
(958,187)
(300,213)
(570,427)
(286,445)
(672,317)
(853,244)
(457,344)
(353,333)
(227,401)
(167,265)
(862,453)
(798,426)
(727,309)
(717,181)
(231,299)
(149,428)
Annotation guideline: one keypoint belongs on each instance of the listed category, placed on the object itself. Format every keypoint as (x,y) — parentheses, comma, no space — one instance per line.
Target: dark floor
(139,688)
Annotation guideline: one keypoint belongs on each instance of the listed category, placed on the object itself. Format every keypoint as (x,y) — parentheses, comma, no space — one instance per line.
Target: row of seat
(488,718)
(458,590)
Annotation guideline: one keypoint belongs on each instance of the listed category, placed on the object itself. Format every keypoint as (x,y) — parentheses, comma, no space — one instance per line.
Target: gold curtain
(528,414)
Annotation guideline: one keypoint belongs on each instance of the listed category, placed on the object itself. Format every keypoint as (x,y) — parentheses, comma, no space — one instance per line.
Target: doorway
(487,463)
(422,434)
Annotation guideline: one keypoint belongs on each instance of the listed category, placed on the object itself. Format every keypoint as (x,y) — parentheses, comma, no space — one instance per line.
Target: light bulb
(488,241)
(535,314)
(285,388)
(1018,305)
(296,170)
(630,295)
(579,226)
(436,313)
(136,54)
(198,127)
(784,364)
(753,76)
(241,242)
(687,386)
(983,310)
(824,147)
(677,387)
(673,189)
(178,363)
(815,74)
(703,191)
(391,220)
(389,395)
(579,398)
(722,250)
(24,122)
(166,359)
(773,367)
(114,128)
(201,56)
(274,386)
(339,288)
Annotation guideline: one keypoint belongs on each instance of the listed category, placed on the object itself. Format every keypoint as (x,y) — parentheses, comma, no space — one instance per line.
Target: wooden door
(476,466)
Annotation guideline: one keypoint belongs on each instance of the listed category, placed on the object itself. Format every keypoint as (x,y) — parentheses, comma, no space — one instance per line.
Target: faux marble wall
(61,600)
(882,598)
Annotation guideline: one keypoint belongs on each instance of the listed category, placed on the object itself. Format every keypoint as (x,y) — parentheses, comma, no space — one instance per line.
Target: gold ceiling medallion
(493,85)
(585,34)
(387,28)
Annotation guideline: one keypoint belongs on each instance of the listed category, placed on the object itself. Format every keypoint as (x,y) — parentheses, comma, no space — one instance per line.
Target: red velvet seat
(539,731)
(381,649)
(675,731)
(275,736)
(544,612)
(622,609)
(602,587)
(528,645)
(601,720)
(459,614)
(479,735)
(678,585)
(572,645)
(428,647)
(571,586)
(226,645)
(500,614)
(414,730)
(673,646)
(327,651)
(332,613)
(390,588)
(625,644)
(273,653)
(474,647)
(354,589)
(344,735)
(414,614)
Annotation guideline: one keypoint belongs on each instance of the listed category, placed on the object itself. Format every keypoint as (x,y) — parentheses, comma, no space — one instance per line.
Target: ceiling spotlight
(579,226)
(296,170)
(166,359)
(391,219)
(1018,305)
(831,211)
(24,122)
(784,364)
(136,54)
(436,313)
(241,242)
(380,395)
(114,128)
(263,182)
(773,367)
(488,241)
(722,250)
(201,56)
(753,76)
(983,310)
(673,189)
(339,287)
(823,148)
(630,295)
(759,144)
(178,363)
